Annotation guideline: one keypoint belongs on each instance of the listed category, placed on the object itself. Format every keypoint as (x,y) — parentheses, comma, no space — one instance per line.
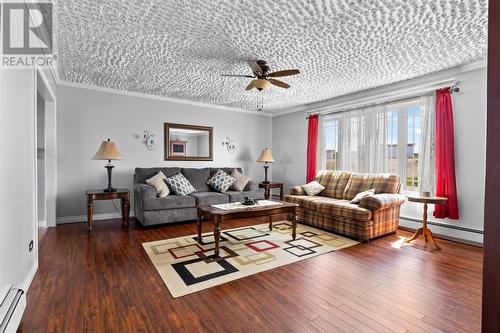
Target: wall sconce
(149,140)
(229,144)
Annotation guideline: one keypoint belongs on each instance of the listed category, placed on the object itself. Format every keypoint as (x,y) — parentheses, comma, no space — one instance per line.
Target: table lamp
(108,151)
(266,157)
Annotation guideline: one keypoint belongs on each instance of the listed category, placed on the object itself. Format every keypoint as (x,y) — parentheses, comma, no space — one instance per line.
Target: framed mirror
(188,142)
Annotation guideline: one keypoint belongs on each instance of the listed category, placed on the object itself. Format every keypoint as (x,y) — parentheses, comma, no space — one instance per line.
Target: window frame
(401,109)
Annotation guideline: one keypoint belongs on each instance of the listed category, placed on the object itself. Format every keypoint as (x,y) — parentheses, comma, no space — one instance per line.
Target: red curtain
(445,156)
(312,143)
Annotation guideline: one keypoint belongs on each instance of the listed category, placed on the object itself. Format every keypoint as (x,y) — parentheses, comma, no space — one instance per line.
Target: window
(403,130)
(405,140)
(332,145)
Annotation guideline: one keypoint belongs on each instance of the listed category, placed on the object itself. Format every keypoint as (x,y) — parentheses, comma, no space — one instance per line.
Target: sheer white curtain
(363,139)
(321,147)
(426,163)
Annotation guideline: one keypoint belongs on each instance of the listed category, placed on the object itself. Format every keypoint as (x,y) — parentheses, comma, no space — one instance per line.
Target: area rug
(187,267)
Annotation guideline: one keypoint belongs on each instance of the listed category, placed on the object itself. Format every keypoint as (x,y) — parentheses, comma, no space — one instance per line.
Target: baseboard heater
(13,303)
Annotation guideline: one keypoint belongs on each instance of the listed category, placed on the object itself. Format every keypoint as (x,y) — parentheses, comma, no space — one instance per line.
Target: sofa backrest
(229,171)
(198,177)
(141,174)
(334,183)
(381,182)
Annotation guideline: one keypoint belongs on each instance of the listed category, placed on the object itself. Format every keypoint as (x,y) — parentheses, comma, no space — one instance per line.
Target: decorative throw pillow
(221,181)
(362,195)
(159,184)
(179,184)
(313,188)
(241,181)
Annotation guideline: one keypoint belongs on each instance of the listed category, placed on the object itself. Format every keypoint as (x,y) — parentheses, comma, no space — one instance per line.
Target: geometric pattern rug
(187,267)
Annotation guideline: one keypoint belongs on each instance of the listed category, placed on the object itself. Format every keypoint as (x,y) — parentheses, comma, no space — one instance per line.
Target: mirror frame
(168,126)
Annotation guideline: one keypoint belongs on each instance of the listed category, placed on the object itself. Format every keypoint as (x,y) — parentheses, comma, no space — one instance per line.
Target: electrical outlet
(30,247)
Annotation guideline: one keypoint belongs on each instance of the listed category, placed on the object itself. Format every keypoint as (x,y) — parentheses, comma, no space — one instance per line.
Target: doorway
(46,159)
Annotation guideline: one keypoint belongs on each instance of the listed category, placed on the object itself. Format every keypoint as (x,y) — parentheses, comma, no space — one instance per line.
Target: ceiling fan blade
(255,67)
(286,72)
(236,75)
(250,86)
(279,83)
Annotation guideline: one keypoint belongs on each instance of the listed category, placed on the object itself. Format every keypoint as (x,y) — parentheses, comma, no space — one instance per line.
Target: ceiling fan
(262,77)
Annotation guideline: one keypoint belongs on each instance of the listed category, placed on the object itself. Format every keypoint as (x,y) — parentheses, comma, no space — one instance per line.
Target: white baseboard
(461,236)
(83,218)
(31,275)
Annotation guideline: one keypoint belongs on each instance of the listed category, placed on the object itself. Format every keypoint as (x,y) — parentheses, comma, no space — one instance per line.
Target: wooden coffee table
(207,212)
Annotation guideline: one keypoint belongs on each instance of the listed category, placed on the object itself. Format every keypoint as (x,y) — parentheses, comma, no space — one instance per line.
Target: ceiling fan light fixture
(260,84)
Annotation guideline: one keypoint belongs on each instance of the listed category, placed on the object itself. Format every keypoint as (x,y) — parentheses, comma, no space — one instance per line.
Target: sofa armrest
(252,186)
(382,201)
(297,190)
(144,191)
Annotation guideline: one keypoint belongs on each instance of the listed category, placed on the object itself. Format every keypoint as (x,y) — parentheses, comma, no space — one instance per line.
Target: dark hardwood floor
(104,282)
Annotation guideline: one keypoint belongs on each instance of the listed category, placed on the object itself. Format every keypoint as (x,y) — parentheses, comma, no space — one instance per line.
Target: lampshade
(266,156)
(260,83)
(108,151)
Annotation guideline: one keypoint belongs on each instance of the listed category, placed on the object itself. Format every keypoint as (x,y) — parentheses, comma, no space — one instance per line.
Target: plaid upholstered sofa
(332,210)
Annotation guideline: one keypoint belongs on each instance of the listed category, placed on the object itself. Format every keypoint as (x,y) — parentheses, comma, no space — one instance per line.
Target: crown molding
(400,88)
(158,98)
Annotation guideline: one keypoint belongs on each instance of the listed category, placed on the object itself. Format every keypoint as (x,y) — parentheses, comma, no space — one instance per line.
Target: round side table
(425,231)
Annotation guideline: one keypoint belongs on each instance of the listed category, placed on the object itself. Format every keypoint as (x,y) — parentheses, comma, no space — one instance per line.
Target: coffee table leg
(270,218)
(199,220)
(294,226)
(216,236)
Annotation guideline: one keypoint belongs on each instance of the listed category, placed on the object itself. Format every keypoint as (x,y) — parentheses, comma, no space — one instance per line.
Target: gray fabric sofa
(151,210)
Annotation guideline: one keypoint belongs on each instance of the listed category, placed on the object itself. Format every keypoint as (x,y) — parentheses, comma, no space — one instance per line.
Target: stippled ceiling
(177,49)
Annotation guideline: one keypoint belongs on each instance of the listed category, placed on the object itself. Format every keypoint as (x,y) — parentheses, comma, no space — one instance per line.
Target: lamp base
(265,172)
(110,188)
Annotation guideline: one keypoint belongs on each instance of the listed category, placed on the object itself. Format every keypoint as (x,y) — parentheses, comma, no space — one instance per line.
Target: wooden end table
(219,216)
(425,231)
(122,193)
(267,189)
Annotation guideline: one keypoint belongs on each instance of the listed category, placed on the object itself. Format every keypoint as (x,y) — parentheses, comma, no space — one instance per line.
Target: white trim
(29,279)
(97,217)
(401,89)
(160,98)
(461,236)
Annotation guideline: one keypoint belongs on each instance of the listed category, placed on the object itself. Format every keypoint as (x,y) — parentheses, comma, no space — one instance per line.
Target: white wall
(17,175)
(86,117)
(290,143)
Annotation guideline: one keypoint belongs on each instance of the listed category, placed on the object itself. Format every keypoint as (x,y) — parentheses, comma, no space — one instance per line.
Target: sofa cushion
(313,188)
(159,184)
(237,196)
(332,206)
(169,202)
(179,184)
(357,198)
(221,181)
(241,181)
(382,183)
(334,183)
(198,178)
(141,174)
(209,198)
(252,186)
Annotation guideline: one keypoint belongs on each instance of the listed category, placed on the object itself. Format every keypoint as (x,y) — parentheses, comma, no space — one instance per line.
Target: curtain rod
(454,89)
